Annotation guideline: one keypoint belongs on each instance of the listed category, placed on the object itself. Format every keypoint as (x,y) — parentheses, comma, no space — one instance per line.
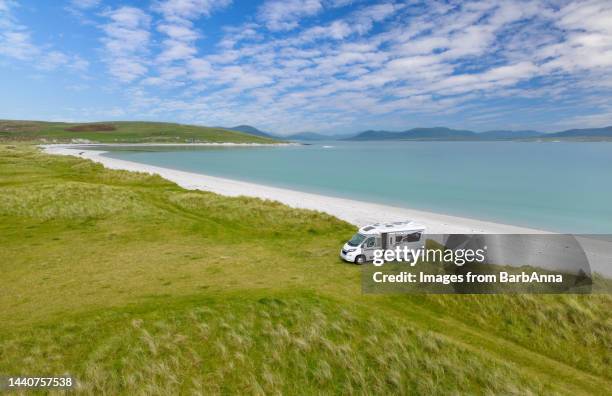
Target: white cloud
(199,69)
(592,120)
(177,25)
(280,15)
(364,19)
(16,43)
(178,32)
(189,9)
(588,41)
(126,42)
(82,10)
(53,60)
(359,22)
(15,39)
(5,6)
(177,50)
(493,78)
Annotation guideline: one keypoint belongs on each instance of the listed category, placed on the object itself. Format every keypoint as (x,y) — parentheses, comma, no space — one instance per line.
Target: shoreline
(74,146)
(355,212)
(358,213)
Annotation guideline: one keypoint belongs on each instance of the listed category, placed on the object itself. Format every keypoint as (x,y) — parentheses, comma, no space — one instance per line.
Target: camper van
(360,248)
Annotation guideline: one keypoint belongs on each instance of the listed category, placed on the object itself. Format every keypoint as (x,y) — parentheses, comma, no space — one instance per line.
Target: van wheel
(360,259)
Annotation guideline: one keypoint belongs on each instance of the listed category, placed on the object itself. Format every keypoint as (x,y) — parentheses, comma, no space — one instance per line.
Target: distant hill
(447,134)
(252,131)
(163,132)
(437,133)
(312,136)
(584,133)
(121,132)
(307,136)
(509,135)
(376,135)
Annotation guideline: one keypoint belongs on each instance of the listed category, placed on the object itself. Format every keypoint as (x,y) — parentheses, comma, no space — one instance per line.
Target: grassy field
(120,132)
(136,286)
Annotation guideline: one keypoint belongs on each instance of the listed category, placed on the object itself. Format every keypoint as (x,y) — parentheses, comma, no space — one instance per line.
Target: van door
(394,240)
(368,247)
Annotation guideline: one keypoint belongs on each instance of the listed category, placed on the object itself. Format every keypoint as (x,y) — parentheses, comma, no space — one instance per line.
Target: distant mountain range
(442,133)
(439,134)
(312,136)
(504,134)
(589,132)
(447,134)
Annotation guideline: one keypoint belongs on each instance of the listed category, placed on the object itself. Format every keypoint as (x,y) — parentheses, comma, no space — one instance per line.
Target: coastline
(359,213)
(75,146)
(355,212)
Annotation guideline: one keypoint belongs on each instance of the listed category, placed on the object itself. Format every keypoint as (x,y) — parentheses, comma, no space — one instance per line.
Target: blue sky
(310,65)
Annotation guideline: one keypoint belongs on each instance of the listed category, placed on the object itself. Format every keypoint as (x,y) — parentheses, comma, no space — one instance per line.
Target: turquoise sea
(562,186)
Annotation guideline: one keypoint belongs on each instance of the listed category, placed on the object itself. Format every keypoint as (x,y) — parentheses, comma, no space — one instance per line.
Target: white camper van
(383,236)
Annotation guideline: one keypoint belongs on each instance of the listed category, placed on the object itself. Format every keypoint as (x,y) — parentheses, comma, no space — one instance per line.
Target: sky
(328,66)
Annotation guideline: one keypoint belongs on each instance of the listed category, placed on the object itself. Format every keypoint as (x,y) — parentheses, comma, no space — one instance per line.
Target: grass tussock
(296,344)
(550,323)
(71,200)
(262,214)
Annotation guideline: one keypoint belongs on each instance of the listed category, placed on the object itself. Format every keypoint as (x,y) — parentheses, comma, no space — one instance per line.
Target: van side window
(414,237)
(399,238)
(370,242)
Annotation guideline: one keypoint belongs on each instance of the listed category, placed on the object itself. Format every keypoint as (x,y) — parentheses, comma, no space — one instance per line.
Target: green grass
(122,132)
(136,286)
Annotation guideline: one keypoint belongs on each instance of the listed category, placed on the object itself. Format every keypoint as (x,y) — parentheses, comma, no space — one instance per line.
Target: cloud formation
(296,65)
(126,42)
(286,14)
(16,43)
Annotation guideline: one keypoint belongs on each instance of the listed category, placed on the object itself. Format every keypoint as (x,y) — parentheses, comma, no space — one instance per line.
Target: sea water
(557,186)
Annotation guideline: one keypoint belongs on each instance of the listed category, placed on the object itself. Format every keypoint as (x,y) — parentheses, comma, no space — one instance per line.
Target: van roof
(395,226)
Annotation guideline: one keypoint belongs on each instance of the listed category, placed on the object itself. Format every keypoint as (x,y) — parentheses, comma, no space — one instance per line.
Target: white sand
(355,212)
(359,213)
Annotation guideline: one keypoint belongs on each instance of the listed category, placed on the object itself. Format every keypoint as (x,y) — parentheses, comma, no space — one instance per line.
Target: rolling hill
(122,132)
(251,131)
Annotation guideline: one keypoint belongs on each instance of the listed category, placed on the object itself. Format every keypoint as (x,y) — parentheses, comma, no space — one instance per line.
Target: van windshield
(356,239)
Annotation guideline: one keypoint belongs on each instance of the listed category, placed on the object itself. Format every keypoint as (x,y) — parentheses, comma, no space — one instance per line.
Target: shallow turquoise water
(564,187)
